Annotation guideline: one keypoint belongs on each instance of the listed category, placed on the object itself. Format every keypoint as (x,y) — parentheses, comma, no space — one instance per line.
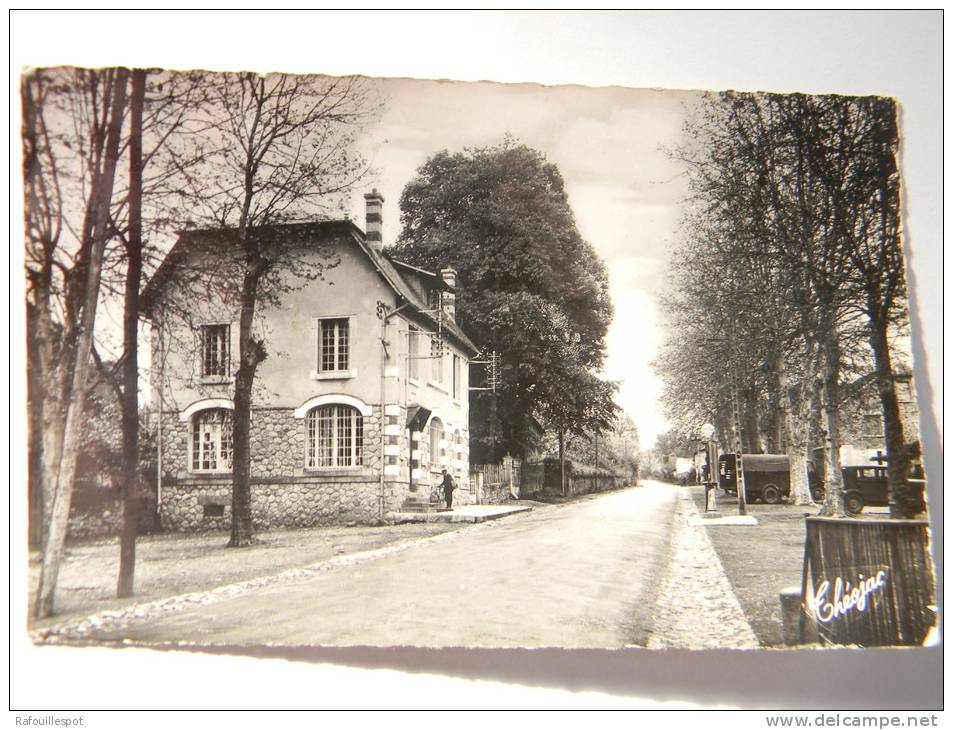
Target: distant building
(862,426)
(362,400)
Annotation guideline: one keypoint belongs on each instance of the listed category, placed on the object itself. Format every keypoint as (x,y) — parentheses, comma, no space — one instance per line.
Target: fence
(496,483)
(546,477)
(587,479)
(871,581)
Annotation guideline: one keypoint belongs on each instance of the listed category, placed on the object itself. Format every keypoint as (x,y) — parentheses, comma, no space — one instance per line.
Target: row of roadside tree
(788,286)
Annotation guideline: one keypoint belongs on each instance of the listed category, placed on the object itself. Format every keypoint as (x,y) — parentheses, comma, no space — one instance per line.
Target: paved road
(578,575)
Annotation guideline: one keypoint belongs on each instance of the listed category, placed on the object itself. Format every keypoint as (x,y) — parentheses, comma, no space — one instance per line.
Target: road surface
(583,574)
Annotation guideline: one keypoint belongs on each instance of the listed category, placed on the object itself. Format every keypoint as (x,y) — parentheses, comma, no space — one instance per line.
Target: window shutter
(317,345)
(233,352)
(197,353)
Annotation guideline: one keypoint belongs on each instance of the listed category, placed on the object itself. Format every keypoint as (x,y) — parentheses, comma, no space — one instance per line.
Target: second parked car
(867,485)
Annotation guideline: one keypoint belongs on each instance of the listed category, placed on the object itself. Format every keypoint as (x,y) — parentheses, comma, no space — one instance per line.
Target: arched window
(212,440)
(436,436)
(335,437)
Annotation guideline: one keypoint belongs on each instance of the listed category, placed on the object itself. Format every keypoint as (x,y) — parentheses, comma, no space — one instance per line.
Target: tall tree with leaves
(859,167)
(804,188)
(530,286)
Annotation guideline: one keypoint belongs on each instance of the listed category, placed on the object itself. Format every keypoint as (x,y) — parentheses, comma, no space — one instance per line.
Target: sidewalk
(697,608)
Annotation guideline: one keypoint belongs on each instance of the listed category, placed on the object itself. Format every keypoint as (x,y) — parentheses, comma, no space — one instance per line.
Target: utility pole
(711,458)
(736,426)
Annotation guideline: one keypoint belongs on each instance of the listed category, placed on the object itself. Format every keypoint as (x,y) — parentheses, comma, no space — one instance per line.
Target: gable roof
(432,279)
(342,232)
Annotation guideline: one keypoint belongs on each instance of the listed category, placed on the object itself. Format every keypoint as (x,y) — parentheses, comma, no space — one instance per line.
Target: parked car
(767,477)
(867,485)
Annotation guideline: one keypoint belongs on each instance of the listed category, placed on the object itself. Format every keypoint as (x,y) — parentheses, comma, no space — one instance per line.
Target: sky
(610,145)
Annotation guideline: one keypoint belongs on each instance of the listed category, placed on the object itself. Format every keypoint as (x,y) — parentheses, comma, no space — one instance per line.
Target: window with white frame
(212,440)
(335,437)
(333,345)
(457,376)
(413,353)
(216,349)
(436,436)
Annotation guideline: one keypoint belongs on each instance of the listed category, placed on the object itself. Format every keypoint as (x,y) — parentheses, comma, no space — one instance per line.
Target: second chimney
(374,223)
(448,299)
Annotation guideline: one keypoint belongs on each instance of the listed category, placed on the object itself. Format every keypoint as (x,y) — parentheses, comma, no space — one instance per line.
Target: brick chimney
(374,225)
(448,299)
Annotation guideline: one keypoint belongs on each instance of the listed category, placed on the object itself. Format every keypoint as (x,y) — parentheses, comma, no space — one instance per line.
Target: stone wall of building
(277,444)
(301,502)
(283,492)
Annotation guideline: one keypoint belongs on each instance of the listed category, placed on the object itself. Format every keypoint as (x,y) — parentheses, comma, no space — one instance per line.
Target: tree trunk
(834,483)
(131,498)
(251,353)
(562,463)
(752,429)
(35,401)
(778,405)
(52,366)
(812,432)
(796,406)
(101,195)
(898,452)
(53,420)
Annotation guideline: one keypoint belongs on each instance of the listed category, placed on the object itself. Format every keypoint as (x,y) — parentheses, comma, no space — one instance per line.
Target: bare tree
(104,97)
(280,147)
(66,124)
(130,370)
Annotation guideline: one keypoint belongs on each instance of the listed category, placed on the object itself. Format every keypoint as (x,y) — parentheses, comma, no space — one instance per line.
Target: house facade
(361,401)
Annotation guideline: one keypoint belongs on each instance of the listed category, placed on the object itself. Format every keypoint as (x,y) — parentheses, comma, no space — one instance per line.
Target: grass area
(760,560)
(170,564)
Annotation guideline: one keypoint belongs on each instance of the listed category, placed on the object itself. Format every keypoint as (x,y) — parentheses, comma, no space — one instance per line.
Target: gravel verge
(696,607)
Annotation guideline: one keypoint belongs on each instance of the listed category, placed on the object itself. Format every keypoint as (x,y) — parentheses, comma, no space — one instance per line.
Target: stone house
(361,402)
(862,424)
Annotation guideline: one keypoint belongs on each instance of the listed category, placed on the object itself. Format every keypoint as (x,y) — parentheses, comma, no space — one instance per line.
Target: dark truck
(767,477)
